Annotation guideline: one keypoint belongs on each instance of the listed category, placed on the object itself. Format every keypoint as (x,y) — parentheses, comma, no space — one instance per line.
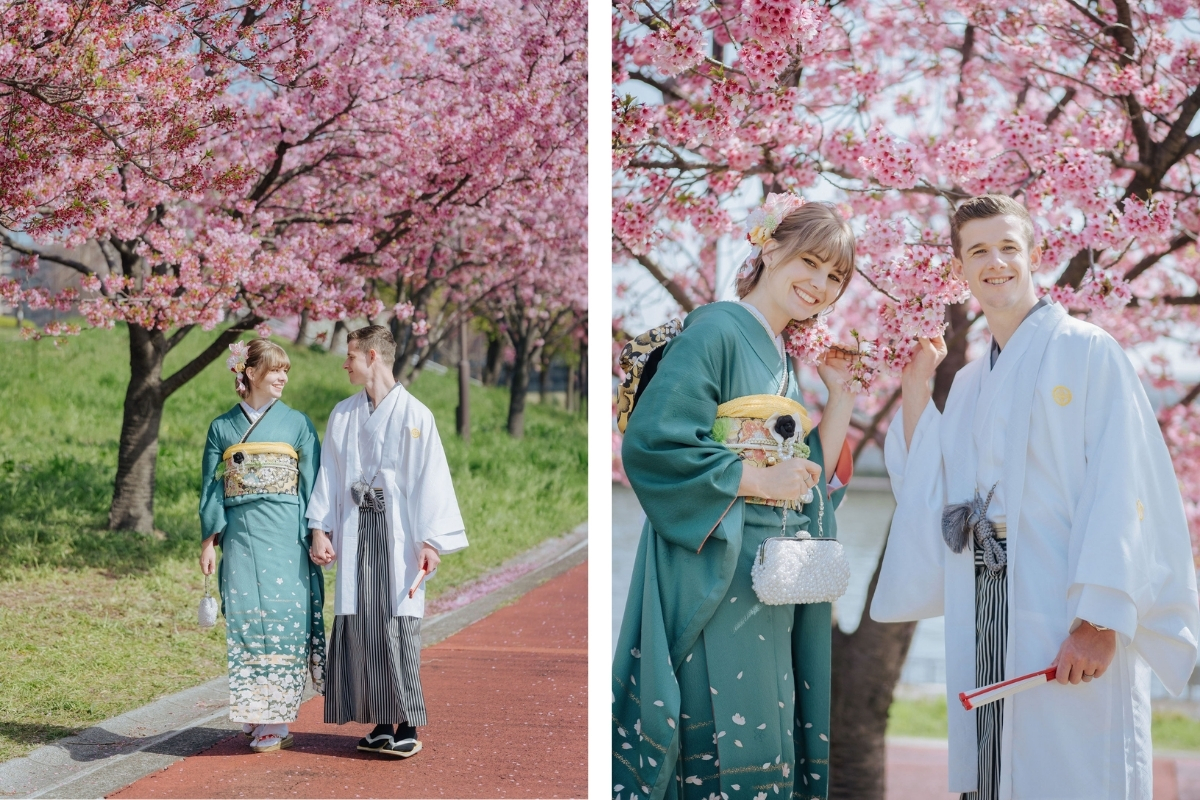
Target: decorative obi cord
(254,468)
(764,429)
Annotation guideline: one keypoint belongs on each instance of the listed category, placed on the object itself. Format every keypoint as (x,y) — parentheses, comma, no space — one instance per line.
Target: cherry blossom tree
(346,137)
(550,290)
(1083,109)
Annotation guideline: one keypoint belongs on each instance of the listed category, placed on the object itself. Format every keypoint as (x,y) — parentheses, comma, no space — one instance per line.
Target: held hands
(321,551)
(208,556)
(1085,654)
(787,480)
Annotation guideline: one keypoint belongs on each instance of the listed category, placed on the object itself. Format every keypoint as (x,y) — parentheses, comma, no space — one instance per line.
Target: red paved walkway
(507,703)
(917,771)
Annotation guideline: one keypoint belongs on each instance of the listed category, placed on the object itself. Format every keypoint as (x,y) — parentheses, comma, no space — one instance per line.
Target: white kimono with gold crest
(1096,532)
(395,448)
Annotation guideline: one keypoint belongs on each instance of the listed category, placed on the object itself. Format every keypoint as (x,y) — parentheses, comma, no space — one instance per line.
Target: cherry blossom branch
(208,355)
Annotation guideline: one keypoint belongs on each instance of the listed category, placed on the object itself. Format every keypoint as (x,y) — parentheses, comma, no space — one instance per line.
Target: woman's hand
(321,552)
(787,480)
(834,369)
(208,555)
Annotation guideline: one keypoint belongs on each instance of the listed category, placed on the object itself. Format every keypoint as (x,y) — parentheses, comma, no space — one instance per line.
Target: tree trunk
(337,339)
(544,380)
(519,388)
(582,374)
(302,329)
(463,415)
(866,667)
(570,399)
(867,663)
(491,367)
(133,493)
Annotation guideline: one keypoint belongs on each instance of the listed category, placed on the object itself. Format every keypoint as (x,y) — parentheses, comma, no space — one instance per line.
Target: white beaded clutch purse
(800,568)
(208,608)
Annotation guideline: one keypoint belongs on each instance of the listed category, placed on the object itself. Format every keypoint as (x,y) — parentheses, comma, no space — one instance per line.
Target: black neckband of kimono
(254,423)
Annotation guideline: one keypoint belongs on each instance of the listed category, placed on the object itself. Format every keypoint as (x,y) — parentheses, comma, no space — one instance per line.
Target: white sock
(280,730)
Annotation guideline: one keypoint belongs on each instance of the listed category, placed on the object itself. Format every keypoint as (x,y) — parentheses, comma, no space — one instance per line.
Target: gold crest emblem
(1061,395)
(416,432)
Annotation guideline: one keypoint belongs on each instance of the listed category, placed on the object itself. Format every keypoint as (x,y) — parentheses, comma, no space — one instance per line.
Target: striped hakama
(374,660)
(991,638)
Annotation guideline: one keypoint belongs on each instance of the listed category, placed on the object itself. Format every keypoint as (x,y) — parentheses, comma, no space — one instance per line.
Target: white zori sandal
(271,738)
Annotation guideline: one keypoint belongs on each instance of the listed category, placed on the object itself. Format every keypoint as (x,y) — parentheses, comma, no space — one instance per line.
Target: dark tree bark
(582,374)
(544,378)
(519,387)
(569,402)
(137,457)
(302,329)
(463,413)
(867,663)
(133,493)
(866,666)
(337,339)
(491,366)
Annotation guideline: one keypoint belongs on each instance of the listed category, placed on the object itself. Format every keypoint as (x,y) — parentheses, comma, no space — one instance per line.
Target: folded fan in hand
(997,691)
(420,577)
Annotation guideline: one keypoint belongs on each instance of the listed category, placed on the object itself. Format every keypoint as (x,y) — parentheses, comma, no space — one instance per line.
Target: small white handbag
(208,608)
(800,568)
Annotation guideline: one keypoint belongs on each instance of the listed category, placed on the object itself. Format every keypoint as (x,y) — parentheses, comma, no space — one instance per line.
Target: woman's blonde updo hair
(265,356)
(816,228)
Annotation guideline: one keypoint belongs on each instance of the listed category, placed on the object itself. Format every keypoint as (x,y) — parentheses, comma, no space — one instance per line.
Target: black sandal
(403,748)
(376,742)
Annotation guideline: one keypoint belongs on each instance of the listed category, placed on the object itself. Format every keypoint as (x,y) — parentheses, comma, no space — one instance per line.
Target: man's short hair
(986,206)
(374,337)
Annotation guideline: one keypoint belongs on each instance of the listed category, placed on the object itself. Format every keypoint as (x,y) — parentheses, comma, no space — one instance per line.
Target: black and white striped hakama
(374,661)
(991,639)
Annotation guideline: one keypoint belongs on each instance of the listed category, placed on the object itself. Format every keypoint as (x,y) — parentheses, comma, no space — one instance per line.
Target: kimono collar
(253,414)
(371,404)
(994,351)
(759,339)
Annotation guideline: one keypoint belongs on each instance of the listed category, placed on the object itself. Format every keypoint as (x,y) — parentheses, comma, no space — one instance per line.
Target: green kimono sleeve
(308,446)
(684,479)
(212,490)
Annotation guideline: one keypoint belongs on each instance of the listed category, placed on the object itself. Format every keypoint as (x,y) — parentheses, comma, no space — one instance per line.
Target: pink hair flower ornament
(762,222)
(237,362)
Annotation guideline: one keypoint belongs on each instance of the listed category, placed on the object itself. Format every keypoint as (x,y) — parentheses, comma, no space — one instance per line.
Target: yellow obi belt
(260,468)
(764,429)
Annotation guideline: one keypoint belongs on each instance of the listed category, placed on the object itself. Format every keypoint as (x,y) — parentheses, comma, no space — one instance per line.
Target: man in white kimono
(1041,515)
(384,505)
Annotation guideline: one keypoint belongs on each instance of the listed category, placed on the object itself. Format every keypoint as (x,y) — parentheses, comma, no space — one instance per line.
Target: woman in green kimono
(259,464)
(715,694)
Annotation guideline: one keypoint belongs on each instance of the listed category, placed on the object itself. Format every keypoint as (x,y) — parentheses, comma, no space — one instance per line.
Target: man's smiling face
(997,261)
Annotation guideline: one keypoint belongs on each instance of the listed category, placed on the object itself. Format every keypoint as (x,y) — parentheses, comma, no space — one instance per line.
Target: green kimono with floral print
(271,592)
(714,693)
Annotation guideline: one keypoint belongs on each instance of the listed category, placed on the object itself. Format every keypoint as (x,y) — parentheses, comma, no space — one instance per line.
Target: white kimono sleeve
(1130,560)
(322,510)
(912,579)
(434,517)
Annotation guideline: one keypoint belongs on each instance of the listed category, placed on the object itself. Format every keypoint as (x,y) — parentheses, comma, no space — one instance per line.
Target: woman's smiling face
(802,286)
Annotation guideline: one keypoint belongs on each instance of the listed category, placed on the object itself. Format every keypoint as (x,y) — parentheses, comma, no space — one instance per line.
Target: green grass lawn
(94,623)
(927,719)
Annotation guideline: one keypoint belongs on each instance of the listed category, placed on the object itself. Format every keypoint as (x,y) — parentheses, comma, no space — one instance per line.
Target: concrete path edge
(113,754)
